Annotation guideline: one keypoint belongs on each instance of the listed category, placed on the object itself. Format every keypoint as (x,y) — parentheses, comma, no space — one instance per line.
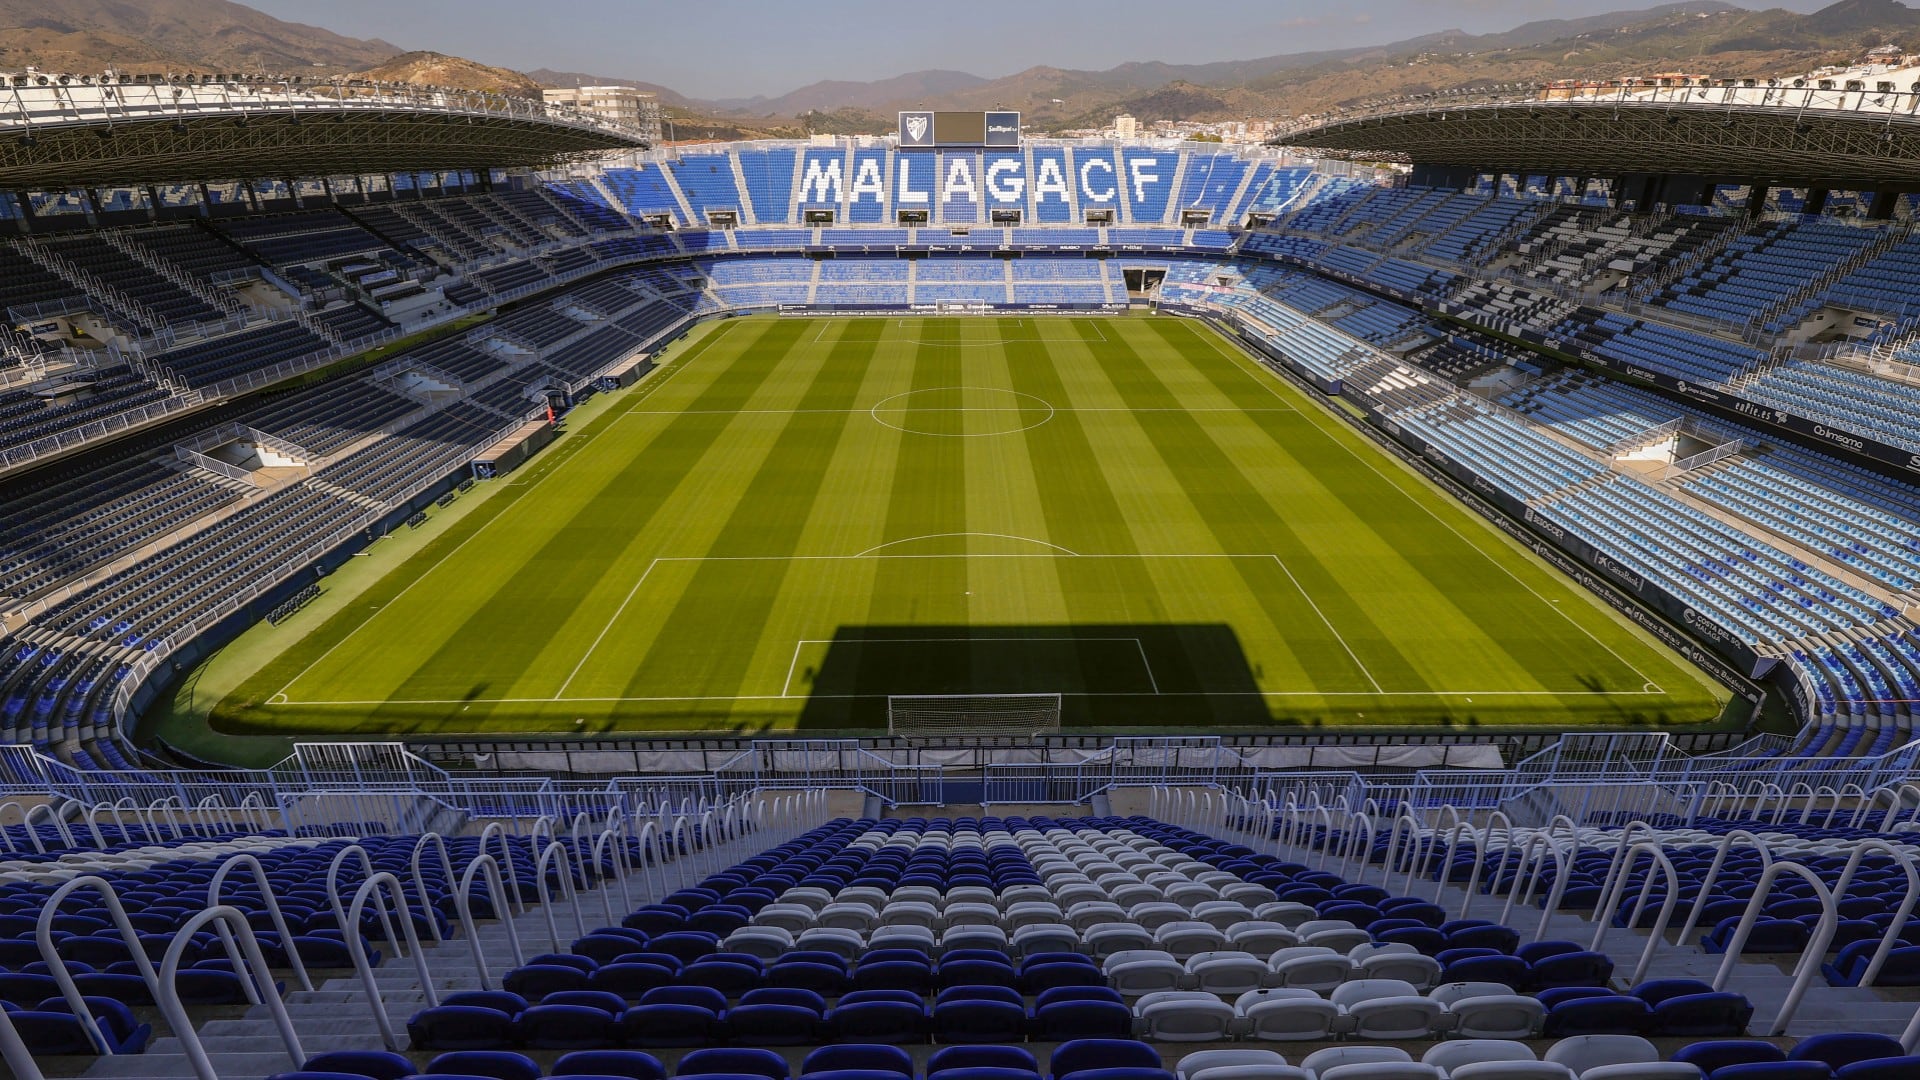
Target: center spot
(962,411)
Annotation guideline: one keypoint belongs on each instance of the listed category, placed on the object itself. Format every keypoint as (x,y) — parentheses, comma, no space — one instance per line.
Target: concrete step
(321,1027)
(248,1065)
(271,1044)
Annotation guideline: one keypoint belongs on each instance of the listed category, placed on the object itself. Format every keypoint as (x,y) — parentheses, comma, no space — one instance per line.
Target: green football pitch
(799,517)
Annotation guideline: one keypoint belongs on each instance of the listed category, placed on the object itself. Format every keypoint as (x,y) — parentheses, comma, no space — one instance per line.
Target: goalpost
(928,715)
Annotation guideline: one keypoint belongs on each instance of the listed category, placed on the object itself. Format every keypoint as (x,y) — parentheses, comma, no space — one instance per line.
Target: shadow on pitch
(1109,675)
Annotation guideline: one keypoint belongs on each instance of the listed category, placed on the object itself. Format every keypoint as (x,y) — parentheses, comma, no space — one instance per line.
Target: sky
(744,48)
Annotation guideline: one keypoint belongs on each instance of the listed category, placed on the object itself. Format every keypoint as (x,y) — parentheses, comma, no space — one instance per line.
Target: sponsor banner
(1003,129)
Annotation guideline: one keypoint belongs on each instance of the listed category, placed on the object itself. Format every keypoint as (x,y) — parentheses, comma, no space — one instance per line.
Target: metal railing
(1885,104)
(56,99)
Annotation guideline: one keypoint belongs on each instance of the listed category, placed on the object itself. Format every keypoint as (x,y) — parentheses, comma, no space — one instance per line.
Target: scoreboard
(931,130)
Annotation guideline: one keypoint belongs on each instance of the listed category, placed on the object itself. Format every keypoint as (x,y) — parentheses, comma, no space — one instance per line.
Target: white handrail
(617,857)
(242,945)
(93,826)
(581,821)
(1809,964)
(1899,801)
(650,860)
(128,802)
(4,834)
(496,894)
(57,964)
(555,847)
(495,829)
(420,880)
(1531,860)
(14,1052)
(273,909)
(1610,902)
(1901,855)
(709,848)
(1406,828)
(1351,841)
(59,826)
(1617,868)
(1713,873)
(680,860)
(351,930)
(372,888)
(173,819)
(1480,847)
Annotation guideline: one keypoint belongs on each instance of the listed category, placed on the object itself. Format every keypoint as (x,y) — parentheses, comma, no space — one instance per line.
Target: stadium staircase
(338,1013)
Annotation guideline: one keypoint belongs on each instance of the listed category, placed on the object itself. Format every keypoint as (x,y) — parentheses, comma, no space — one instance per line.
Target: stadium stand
(1202,909)
(1340,279)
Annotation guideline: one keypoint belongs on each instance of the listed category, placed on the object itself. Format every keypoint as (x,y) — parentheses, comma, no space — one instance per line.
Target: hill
(198,35)
(438,69)
(1705,37)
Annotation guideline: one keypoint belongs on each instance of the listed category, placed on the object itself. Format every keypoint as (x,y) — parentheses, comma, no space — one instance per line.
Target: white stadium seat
(1184,1016)
(1144,971)
(1310,967)
(1227,973)
(1448,1056)
(1387,1009)
(1201,1060)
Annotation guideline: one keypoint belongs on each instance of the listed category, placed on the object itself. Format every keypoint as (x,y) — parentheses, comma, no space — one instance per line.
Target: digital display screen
(960,128)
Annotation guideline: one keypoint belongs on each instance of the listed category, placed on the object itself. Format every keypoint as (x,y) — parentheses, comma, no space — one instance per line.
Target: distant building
(1125,126)
(619,104)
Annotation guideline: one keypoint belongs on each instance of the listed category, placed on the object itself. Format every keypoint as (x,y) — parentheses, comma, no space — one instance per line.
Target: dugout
(511,452)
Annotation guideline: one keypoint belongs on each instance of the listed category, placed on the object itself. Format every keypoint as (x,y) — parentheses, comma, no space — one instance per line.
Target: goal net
(914,715)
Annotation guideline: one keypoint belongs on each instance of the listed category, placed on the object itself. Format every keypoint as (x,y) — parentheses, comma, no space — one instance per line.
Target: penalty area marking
(1266,379)
(1649,687)
(544,469)
(786,686)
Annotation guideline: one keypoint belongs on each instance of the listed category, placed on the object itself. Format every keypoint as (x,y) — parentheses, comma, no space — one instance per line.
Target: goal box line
(913,715)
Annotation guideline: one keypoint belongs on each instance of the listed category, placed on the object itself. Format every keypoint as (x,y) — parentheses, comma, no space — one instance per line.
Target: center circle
(961,412)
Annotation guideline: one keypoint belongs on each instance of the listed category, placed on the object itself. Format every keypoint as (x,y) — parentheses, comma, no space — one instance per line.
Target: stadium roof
(1865,132)
(77,131)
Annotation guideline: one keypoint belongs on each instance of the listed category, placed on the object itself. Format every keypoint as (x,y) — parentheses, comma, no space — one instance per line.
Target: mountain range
(1706,37)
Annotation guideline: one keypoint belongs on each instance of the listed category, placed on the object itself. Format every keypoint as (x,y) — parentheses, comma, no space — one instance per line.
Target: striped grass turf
(803,516)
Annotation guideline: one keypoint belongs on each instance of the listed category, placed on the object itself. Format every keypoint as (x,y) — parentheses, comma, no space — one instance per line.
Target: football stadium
(489,591)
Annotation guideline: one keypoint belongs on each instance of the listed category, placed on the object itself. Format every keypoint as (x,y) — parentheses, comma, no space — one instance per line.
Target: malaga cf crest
(916,129)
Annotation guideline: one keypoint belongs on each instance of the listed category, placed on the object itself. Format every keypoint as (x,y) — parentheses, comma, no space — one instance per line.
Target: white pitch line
(938,408)
(1338,636)
(1148,666)
(1072,694)
(551,464)
(602,636)
(1265,380)
(990,535)
(786,686)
